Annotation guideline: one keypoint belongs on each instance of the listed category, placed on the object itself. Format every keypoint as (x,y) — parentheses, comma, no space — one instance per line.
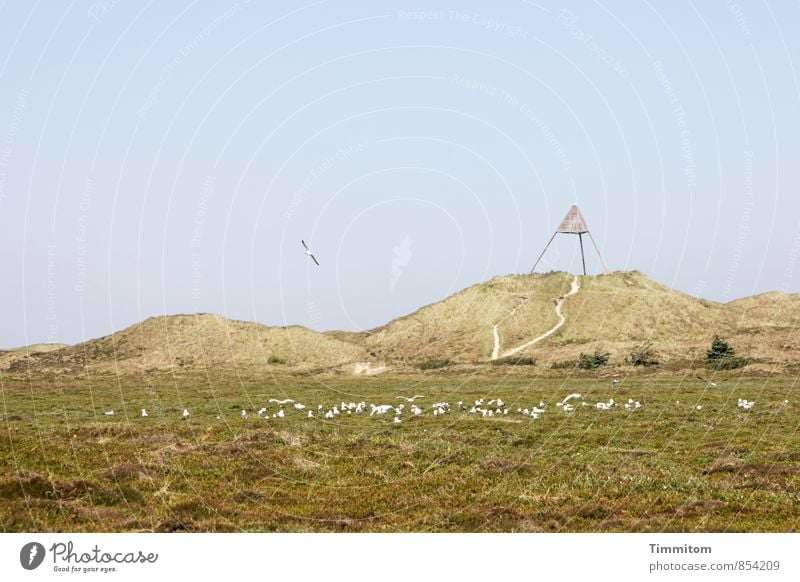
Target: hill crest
(538,316)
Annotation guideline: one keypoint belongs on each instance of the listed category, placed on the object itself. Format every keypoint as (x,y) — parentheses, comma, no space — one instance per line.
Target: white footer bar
(353,557)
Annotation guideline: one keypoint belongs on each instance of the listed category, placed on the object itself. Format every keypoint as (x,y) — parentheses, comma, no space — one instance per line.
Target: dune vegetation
(621,411)
(688,459)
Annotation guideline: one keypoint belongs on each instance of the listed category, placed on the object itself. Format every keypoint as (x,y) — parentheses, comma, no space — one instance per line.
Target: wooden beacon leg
(544,251)
(605,267)
(583,259)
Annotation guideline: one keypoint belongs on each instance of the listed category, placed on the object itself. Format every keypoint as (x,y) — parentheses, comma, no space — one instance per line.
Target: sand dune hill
(767,326)
(460,327)
(197,342)
(609,313)
(7,357)
(614,312)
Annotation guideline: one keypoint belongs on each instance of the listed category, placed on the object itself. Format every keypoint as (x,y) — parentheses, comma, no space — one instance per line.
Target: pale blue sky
(168,157)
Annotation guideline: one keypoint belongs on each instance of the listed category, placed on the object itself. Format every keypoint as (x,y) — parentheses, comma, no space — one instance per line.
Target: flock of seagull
(496,407)
(491,408)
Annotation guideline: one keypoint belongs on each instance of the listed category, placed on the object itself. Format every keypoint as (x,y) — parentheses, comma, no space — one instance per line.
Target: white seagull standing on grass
(745,404)
(309,253)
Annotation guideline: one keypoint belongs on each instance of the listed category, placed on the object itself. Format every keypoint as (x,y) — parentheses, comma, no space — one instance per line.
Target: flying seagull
(281,402)
(309,253)
(412,399)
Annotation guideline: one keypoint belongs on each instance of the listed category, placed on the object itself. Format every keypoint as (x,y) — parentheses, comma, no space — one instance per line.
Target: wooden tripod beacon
(574,223)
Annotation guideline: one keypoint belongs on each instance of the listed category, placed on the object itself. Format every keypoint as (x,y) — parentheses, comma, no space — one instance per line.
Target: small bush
(721,356)
(564,364)
(592,361)
(643,355)
(730,363)
(720,350)
(434,364)
(512,361)
(273,359)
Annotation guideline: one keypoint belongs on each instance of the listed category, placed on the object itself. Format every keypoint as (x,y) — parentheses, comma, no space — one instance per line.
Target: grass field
(65,466)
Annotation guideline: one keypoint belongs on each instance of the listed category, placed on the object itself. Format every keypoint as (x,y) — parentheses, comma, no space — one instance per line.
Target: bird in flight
(281,402)
(412,399)
(309,253)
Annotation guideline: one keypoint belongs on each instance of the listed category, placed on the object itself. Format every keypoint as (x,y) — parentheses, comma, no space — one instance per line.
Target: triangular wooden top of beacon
(573,222)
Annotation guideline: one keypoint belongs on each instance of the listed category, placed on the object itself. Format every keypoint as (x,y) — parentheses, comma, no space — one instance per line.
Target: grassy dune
(198,342)
(610,313)
(64,465)
(460,327)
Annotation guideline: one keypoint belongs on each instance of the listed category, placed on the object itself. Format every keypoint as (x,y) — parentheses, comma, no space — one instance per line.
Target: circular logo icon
(31,555)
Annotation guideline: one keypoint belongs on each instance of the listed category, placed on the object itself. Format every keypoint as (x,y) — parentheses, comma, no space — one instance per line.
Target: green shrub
(730,363)
(720,349)
(273,359)
(564,364)
(434,364)
(592,361)
(512,361)
(643,355)
(721,356)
